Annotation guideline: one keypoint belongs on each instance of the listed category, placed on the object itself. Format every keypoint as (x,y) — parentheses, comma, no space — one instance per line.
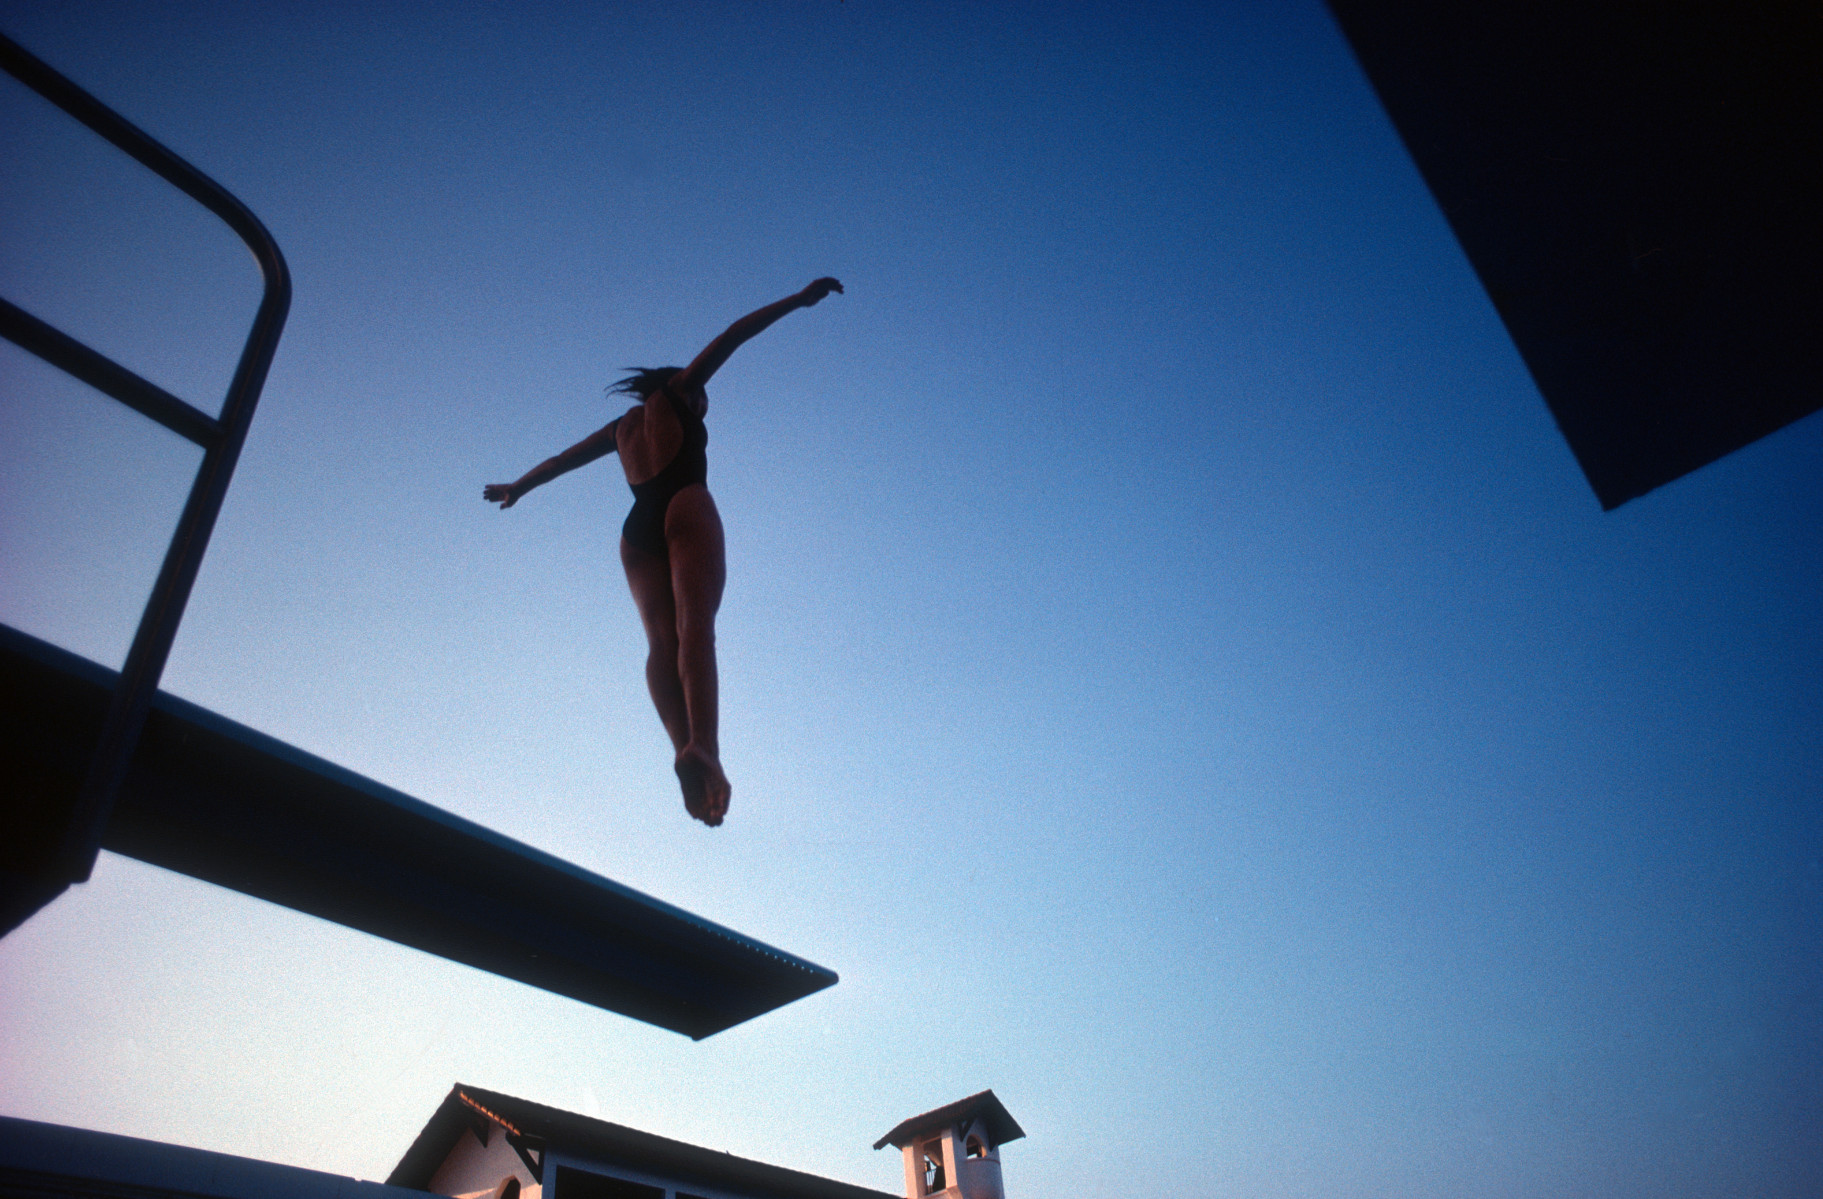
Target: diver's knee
(662,652)
(696,632)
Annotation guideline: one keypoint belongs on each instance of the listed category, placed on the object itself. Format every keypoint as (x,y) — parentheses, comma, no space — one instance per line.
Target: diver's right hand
(500,493)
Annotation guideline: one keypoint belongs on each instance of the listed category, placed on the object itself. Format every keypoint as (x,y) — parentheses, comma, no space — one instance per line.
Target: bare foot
(715,796)
(706,788)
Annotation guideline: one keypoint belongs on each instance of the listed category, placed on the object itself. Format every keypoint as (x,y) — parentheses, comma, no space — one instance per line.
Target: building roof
(52,1159)
(572,1135)
(1001,1127)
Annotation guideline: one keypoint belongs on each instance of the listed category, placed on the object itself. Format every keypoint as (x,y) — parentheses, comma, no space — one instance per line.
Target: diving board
(215,800)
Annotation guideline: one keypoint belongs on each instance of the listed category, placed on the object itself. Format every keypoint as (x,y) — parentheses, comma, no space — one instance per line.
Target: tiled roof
(1001,1127)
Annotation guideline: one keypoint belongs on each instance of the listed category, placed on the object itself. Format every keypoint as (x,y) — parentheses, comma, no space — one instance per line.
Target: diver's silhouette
(671,543)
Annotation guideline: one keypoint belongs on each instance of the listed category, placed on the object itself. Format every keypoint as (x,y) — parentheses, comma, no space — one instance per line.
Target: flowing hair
(642,381)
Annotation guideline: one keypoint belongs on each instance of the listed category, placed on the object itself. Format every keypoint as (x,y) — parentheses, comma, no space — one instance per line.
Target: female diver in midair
(671,544)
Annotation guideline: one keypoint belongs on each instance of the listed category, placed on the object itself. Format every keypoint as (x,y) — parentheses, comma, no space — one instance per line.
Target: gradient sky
(1173,669)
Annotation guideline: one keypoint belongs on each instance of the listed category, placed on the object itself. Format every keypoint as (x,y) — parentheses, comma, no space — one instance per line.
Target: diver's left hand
(816,291)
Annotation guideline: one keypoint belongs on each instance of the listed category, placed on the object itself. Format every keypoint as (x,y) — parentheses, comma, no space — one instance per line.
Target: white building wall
(978,1177)
(965,1177)
(474,1171)
(914,1177)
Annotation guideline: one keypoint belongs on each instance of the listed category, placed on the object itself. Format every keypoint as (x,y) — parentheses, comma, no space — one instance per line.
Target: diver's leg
(649,578)
(699,570)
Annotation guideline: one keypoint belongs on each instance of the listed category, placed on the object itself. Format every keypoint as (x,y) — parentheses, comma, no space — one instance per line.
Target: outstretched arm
(743,330)
(598,444)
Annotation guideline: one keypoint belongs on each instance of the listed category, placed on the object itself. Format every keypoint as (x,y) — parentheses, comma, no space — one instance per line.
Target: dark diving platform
(1638,187)
(217,801)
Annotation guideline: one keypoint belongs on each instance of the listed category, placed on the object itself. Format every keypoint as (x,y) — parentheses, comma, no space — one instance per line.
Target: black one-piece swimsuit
(645,524)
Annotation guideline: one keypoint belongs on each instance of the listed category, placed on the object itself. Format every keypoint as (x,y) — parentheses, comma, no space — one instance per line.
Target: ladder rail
(221,438)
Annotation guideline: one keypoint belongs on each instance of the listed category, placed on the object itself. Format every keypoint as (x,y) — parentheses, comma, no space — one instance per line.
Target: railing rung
(107,376)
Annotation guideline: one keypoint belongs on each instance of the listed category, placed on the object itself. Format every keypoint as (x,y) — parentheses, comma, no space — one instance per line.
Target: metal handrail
(221,439)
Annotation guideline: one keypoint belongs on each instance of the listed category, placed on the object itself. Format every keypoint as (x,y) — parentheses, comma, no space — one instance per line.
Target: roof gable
(1001,1127)
(576,1136)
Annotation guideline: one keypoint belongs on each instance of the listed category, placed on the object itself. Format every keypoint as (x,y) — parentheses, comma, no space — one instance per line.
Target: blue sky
(1172,667)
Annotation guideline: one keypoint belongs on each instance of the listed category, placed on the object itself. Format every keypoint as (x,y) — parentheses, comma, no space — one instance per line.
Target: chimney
(954,1151)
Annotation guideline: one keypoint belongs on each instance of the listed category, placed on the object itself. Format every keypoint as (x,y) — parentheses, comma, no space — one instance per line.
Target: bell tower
(954,1151)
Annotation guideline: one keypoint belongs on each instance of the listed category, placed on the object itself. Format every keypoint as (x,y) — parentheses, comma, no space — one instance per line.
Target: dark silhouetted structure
(1638,185)
(51,1161)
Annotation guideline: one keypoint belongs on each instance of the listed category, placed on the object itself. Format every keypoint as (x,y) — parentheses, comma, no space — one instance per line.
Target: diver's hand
(816,291)
(503,494)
